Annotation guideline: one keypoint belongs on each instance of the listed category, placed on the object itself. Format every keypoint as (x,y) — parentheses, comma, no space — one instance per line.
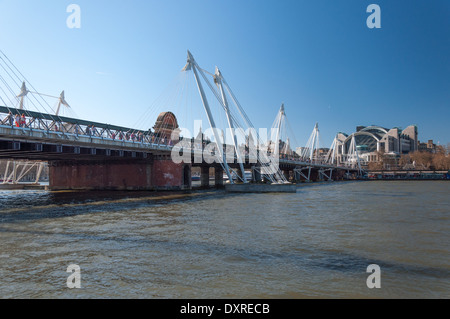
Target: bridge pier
(204,176)
(187,176)
(161,174)
(167,175)
(218,174)
(256,174)
(297,177)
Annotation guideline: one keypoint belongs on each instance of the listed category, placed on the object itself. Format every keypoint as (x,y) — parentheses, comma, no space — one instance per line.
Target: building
(369,142)
(166,127)
(321,153)
(427,147)
(300,150)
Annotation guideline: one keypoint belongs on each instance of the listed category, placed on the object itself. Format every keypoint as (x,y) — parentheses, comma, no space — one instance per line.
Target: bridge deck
(56,130)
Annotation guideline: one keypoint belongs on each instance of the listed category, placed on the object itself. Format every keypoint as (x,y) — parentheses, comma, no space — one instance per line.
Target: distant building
(300,150)
(321,153)
(373,140)
(427,147)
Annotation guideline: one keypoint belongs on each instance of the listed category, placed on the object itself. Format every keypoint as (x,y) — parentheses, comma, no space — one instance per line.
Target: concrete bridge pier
(297,177)
(218,177)
(187,176)
(256,174)
(204,177)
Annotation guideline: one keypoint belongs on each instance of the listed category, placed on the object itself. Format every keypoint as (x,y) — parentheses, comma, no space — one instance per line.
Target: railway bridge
(87,155)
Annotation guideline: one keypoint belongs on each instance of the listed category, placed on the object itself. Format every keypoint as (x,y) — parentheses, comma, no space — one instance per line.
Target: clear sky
(317,56)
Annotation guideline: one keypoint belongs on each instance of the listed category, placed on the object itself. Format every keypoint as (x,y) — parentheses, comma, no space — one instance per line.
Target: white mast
(315,142)
(278,125)
(354,156)
(218,79)
(61,101)
(192,65)
(23,93)
(331,156)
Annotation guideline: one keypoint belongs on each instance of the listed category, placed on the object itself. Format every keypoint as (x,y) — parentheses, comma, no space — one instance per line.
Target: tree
(375,166)
(405,160)
(441,150)
(423,160)
(441,162)
(418,160)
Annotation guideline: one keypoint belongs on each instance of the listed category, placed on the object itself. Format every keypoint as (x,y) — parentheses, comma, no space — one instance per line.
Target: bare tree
(441,162)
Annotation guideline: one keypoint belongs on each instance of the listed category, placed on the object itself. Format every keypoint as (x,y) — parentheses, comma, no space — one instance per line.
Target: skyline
(319,59)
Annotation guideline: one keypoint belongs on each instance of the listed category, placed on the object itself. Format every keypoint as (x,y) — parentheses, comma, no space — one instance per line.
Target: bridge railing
(56,128)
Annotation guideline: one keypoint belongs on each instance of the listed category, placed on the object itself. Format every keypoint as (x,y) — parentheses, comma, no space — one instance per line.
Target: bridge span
(96,156)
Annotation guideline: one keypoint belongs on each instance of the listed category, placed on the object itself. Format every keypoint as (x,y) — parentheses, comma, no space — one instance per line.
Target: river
(317,243)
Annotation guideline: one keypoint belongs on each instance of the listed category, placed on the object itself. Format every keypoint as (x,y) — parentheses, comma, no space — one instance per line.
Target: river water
(317,243)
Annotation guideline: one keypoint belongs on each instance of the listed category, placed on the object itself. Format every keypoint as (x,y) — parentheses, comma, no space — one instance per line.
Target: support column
(218,173)
(204,176)
(187,177)
(256,174)
(297,176)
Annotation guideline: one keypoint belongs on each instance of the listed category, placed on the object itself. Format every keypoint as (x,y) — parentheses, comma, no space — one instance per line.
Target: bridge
(89,155)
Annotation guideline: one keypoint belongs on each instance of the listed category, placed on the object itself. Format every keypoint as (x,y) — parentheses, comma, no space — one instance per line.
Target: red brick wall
(161,174)
(114,176)
(167,174)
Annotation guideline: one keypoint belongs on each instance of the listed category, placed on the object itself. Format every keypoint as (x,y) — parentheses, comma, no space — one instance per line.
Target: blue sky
(318,57)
